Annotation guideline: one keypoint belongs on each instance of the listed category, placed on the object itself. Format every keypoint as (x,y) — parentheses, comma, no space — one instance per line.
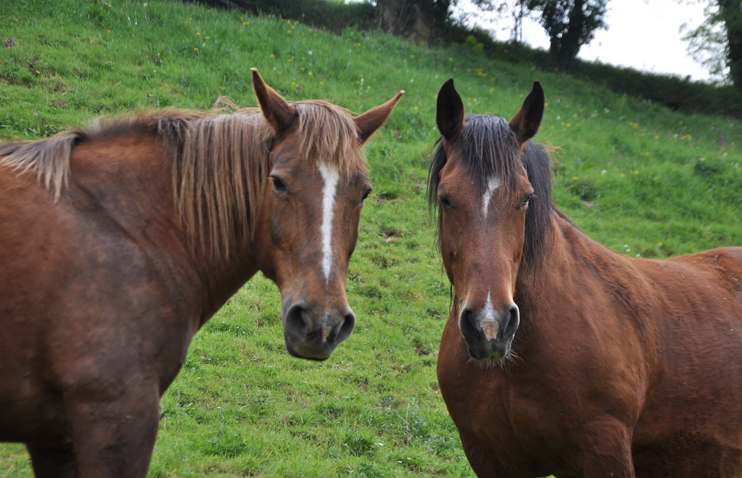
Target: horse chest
(513,420)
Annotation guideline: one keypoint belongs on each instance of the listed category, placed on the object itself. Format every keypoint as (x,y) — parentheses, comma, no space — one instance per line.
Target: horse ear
(371,120)
(449,111)
(279,114)
(527,120)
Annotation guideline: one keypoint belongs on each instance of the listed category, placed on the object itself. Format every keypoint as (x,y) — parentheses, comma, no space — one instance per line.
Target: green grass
(242,406)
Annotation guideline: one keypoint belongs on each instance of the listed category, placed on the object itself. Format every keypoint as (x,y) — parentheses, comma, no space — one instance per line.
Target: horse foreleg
(115,437)
(609,466)
(608,454)
(52,460)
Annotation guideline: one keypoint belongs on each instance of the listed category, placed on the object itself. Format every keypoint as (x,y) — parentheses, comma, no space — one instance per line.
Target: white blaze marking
(330,176)
(492,185)
(489,324)
(488,308)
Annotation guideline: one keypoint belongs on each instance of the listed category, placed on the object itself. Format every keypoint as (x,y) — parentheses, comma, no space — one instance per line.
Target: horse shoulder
(95,270)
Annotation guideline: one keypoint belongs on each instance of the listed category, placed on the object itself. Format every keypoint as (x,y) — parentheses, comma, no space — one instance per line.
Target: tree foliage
(514,10)
(717,42)
(569,24)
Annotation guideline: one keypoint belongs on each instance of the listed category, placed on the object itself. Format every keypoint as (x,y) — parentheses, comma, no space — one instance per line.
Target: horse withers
(560,356)
(118,243)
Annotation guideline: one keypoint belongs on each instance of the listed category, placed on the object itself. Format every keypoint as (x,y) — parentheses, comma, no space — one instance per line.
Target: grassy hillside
(635,176)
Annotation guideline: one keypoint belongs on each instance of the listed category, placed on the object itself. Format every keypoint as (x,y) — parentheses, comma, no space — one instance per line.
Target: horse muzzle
(312,333)
(489,334)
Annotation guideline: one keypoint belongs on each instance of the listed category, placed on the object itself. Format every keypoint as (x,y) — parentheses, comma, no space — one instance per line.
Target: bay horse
(561,357)
(118,243)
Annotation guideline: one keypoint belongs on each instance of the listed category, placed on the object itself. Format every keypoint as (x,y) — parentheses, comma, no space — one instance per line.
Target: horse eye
(524,204)
(445,202)
(365,195)
(278,185)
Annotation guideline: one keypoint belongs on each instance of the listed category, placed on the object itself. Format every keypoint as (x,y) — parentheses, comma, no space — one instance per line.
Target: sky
(642,34)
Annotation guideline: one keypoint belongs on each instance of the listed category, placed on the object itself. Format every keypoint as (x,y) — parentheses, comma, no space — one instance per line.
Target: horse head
(480,187)
(308,221)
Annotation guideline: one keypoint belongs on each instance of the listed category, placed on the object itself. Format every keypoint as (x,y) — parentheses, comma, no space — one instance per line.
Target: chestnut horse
(561,356)
(140,230)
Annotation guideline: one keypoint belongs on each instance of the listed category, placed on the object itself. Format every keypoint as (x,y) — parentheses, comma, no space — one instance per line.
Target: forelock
(489,150)
(328,134)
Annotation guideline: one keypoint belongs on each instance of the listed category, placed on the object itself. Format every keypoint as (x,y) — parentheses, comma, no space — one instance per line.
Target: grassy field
(638,178)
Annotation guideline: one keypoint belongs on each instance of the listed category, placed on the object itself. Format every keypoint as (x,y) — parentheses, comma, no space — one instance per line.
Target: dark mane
(489,148)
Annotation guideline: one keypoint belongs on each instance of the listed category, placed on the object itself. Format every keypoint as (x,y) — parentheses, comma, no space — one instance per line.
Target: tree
(569,24)
(717,42)
(416,19)
(515,10)
(519,12)
(419,20)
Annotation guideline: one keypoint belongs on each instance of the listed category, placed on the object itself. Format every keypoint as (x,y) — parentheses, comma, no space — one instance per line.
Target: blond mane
(220,162)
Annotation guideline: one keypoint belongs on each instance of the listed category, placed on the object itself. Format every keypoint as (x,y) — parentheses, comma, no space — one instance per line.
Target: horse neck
(134,187)
(574,262)
(565,247)
(583,285)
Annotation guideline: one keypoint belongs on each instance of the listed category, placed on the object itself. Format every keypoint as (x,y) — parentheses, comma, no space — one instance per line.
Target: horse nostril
(346,328)
(513,321)
(468,323)
(296,322)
